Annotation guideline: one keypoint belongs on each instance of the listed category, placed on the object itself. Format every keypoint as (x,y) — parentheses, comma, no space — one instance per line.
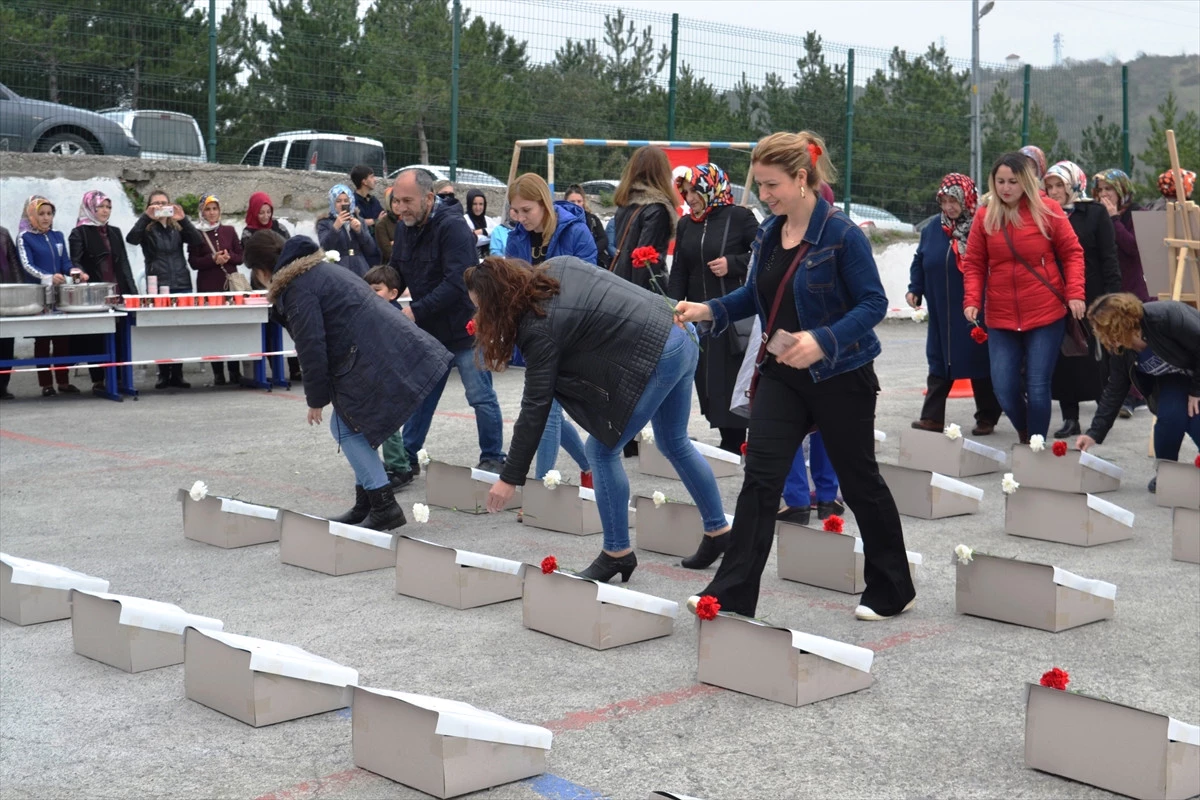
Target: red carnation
(643,257)
(549,564)
(470,327)
(1198,461)
(708,607)
(834,523)
(979,335)
(1056,679)
(746,445)
(1059,449)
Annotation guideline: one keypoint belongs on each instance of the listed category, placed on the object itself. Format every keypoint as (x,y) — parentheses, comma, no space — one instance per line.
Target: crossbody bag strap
(721,252)
(1021,260)
(621,243)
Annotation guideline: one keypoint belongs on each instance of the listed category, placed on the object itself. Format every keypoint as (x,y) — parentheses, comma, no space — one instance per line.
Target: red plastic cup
(186,300)
(132,301)
(239,299)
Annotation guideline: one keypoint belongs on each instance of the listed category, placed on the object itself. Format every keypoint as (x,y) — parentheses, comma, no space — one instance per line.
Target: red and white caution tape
(190,360)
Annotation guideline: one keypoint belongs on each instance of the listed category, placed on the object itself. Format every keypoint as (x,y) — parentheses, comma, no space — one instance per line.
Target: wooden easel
(1183,238)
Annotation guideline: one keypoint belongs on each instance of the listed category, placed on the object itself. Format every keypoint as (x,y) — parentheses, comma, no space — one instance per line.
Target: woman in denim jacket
(824,377)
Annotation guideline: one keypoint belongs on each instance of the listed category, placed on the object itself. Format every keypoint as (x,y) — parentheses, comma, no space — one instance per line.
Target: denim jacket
(839,296)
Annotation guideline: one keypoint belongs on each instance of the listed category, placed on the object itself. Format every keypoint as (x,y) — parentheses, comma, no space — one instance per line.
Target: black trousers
(786,405)
(987,407)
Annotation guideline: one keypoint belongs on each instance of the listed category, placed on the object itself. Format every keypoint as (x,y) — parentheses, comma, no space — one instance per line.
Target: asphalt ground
(91,485)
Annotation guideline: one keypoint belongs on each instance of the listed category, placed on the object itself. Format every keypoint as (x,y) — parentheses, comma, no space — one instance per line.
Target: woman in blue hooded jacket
(546,229)
(344,231)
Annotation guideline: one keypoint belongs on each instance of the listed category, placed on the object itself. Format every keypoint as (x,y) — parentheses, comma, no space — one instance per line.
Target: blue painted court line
(553,787)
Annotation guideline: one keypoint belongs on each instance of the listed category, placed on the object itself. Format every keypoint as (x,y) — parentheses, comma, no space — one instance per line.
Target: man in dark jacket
(432,250)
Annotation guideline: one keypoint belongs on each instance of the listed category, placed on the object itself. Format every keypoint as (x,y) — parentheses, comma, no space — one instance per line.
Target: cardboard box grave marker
(1119,748)
(444,748)
(1079,519)
(674,529)
(826,559)
(455,578)
(651,461)
(1185,535)
(131,633)
(225,522)
(260,682)
(661,795)
(33,591)
(462,488)
(779,664)
(565,508)
(593,614)
(1030,594)
(1077,471)
(929,495)
(957,458)
(332,547)
(880,438)
(1177,485)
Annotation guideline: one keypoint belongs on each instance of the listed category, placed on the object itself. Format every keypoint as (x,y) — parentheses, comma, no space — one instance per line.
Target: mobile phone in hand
(780,342)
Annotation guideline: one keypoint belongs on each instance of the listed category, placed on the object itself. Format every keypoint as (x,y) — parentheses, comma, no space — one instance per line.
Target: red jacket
(1016,300)
(210,277)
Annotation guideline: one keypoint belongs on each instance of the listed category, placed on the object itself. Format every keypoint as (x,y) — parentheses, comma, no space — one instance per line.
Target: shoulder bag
(1075,338)
(739,336)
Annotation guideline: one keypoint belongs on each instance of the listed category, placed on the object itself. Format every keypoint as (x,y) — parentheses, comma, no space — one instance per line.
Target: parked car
(870,216)
(312,150)
(462,177)
(38,126)
(600,187)
(162,134)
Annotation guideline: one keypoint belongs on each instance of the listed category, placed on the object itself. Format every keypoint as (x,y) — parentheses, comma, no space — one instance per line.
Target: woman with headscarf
(217,256)
(477,217)
(385,226)
(260,216)
(45,260)
(936,278)
(1037,156)
(98,249)
(712,252)
(1083,377)
(343,231)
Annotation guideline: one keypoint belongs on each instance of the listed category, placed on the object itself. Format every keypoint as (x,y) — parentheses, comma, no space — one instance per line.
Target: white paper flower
(1008,484)
(333,255)
(1037,443)
(553,478)
(647,434)
(420,512)
(963,553)
(423,457)
(199,491)
(953,431)
(920,315)
(659,499)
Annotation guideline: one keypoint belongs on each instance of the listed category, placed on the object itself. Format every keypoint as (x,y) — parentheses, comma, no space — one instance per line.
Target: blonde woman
(1024,254)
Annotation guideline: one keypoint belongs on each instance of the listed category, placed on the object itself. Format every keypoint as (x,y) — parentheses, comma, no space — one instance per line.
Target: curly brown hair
(1115,319)
(505,289)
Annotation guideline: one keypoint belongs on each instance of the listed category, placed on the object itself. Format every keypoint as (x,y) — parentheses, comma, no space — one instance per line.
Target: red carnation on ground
(708,607)
(1059,449)
(979,335)
(643,257)
(549,564)
(1056,679)
(470,327)
(834,523)
(1198,461)
(746,446)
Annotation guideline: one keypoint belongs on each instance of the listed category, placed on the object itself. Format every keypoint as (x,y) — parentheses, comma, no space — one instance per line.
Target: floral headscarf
(89,206)
(205,199)
(1075,179)
(962,189)
(710,182)
(335,192)
(1039,158)
(1166,183)
(1120,182)
(32,205)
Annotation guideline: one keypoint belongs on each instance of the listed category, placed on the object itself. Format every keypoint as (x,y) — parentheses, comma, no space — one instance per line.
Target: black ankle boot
(362,507)
(711,548)
(605,567)
(1070,427)
(796,516)
(386,513)
(829,508)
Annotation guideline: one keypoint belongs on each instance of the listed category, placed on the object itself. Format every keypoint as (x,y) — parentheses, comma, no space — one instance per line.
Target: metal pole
(454,90)
(212,81)
(976,158)
(1025,106)
(849,130)
(671,78)
(1125,157)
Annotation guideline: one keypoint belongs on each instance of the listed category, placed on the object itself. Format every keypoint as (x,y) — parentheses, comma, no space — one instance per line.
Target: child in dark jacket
(385,282)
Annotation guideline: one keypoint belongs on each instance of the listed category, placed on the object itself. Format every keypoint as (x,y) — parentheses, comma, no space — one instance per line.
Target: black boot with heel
(711,548)
(362,507)
(385,513)
(605,567)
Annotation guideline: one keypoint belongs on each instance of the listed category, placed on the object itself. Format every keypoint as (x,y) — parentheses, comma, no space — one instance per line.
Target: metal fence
(437,83)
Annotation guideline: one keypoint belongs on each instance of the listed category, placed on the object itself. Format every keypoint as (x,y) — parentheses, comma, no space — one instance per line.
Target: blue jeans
(666,403)
(1037,351)
(795,488)
(477,385)
(559,430)
(368,468)
(1173,422)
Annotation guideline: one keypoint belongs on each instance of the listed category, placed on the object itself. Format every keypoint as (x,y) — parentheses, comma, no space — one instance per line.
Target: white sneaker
(867,614)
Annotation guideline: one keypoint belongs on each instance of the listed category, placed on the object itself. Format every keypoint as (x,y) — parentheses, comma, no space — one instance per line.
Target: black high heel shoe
(711,548)
(605,567)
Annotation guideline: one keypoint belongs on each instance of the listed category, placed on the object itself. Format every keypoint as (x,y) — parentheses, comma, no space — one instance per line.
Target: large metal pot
(22,299)
(81,298)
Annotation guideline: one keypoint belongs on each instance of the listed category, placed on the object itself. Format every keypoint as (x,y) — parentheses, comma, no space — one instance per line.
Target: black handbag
(1075,337)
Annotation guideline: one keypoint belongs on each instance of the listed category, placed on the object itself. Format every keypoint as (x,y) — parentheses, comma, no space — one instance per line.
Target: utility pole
(977,14)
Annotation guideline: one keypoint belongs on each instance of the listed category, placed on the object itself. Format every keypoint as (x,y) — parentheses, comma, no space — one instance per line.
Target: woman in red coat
(1025,266)
(219,255)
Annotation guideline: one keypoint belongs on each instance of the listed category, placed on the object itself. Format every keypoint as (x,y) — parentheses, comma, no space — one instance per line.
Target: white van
(310,150)
(162,134)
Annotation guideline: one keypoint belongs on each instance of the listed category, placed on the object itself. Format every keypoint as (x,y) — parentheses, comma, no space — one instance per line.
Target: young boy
(385,282)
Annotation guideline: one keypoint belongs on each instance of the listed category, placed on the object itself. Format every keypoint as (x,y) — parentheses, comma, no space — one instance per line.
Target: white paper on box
(1087,585)
(850,655)
(51,576)
(729,519)
(939,481)
(1182,732)
(992,453)
(587,494)
(231,506)
(465,721)
(483,475)
(287,660)
(1110,510)
(913,558)
(708,451)
(615,595)
(880,436)
(466,558)
(138,612)
(373,538)
(1100,465)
